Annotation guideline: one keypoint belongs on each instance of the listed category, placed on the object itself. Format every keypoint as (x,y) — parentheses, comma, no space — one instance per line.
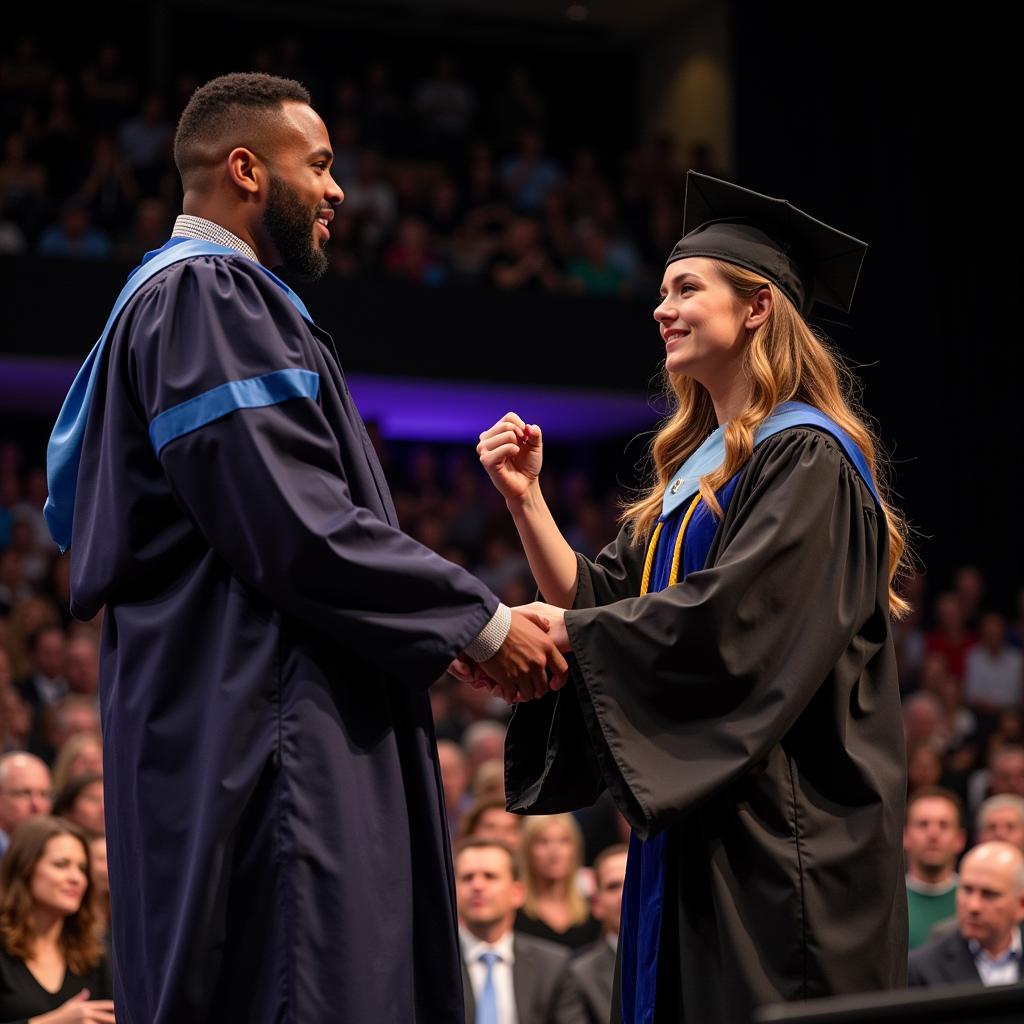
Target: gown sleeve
(266,486)
(549,761)
(676,694)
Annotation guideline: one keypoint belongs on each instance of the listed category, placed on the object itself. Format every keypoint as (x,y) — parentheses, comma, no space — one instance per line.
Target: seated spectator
(370,201)
(82,665)
(81,754)
(554,908)
(15,716)
(521,261)
(593,969)
(950,635)
(81,802)
(508,977)
(483,741)
(71,715)
(592,272)
(412,256)
(73,236)
(933,838)
(110,187)
(922,721)
(969,585)
(1005,774)
(986,947)
(26,791)
(488,781)
(51,955)
(993,670)
(22,183)
(145,140)
(107,89)
(488,819)
(1002,818)
(924,767)
(529,175)
(445,106)
(45,684)
(150,229)
(454,777)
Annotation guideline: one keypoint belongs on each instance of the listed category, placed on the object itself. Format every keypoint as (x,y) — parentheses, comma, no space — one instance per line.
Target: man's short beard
(290,226)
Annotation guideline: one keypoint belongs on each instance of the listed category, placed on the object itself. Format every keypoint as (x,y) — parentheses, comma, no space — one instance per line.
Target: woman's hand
(553,620)
(511,452)
(78,1010)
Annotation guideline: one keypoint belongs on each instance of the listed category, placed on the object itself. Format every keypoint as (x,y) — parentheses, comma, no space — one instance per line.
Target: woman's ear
(760,307)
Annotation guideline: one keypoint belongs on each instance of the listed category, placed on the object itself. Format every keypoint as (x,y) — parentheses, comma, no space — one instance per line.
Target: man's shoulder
(214,281)
(594,957)
(532,946)
(948,954)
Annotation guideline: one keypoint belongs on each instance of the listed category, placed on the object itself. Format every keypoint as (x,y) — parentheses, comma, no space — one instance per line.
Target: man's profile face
(302,194)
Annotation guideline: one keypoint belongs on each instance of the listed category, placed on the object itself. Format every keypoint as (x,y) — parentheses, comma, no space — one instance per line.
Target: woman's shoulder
(809,456)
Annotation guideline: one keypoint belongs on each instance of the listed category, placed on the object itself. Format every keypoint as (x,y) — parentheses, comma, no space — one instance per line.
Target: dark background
(894,123)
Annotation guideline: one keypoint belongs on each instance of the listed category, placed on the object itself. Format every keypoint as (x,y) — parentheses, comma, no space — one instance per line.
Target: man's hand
(527,663)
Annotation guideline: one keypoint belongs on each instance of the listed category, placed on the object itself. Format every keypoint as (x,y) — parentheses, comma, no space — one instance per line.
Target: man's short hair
(481,843)
(937,792)
(994,803)
(229,111)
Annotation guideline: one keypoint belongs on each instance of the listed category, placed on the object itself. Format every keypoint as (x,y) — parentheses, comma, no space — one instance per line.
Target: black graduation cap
(810,261)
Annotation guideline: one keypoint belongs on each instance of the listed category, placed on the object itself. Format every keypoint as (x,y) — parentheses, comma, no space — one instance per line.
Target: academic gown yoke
(751,713)
(276,836)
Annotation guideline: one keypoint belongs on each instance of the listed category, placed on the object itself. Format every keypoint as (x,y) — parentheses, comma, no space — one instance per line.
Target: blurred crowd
(445,181)
(961,671)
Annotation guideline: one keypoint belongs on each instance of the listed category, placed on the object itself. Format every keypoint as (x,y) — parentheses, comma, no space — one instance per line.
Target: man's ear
(246,170)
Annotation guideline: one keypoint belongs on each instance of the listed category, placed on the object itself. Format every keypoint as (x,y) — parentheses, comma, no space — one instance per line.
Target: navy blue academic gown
(275,819)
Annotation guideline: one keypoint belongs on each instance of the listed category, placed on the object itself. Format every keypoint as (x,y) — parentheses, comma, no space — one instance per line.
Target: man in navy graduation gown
(275,817)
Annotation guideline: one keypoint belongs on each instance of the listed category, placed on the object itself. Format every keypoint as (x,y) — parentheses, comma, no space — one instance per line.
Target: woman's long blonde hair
(535,824)
(784,361)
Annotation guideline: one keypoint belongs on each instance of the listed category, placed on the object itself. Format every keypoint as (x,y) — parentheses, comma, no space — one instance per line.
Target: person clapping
(52,968)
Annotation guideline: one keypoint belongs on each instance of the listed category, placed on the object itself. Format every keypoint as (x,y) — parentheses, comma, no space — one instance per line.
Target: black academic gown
(752,713)
(275,819)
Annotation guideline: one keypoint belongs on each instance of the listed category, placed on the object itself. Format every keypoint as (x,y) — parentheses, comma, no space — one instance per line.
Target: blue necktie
(487,1008)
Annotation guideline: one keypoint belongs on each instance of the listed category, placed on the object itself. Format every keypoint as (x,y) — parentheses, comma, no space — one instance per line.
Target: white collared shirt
(1003,969)
(472,948)
(187,226)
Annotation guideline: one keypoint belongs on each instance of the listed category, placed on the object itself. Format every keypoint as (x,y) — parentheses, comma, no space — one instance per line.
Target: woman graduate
(735,681)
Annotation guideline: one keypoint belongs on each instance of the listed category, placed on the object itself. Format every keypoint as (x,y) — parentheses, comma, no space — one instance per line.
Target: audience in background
(554,907)
(933,838)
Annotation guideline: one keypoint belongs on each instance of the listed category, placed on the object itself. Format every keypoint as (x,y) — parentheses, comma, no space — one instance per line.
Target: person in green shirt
(933,839)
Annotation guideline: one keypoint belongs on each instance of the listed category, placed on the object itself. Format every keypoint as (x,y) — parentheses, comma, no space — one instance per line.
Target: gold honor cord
(673,576)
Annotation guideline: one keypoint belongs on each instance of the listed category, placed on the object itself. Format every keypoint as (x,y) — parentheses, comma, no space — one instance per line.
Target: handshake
(529,663)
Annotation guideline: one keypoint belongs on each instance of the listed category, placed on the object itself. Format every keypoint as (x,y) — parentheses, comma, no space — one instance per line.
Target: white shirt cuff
(492,636)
